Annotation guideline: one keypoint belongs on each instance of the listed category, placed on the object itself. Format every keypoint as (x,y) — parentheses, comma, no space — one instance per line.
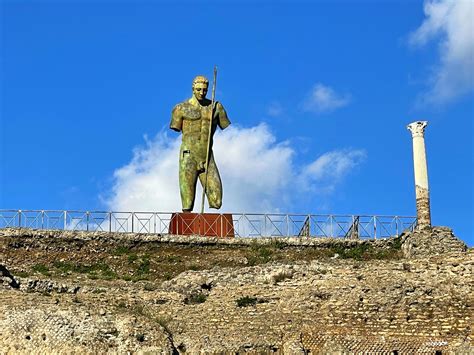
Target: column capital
(417,128)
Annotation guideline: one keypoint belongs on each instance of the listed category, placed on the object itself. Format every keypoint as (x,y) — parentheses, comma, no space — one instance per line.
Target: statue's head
(200,86)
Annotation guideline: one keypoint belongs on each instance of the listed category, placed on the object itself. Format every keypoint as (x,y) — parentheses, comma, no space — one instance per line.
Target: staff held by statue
(213,99)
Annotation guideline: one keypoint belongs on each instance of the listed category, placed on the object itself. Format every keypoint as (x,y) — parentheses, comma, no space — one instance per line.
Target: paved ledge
(114,237)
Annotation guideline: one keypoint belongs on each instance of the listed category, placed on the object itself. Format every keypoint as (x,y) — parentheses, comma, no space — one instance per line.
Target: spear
(214,83)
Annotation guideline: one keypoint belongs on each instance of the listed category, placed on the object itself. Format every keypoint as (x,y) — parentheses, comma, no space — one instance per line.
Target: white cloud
(451,22)
(323,99)
(275,109)
(258,173)
(327,171)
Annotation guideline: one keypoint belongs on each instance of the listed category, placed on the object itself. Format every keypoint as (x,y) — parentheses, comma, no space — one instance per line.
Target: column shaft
(421,174)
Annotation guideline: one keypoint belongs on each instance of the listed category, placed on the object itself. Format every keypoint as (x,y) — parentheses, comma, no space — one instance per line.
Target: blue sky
(319,94)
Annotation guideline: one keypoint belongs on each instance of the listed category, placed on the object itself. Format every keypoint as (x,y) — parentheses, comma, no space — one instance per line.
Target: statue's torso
(195,128)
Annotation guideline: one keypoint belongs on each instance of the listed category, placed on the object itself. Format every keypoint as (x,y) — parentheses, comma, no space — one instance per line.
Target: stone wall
(431,241)
(299,296)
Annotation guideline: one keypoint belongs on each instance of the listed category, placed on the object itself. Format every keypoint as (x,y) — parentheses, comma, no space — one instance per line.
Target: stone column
(421,174)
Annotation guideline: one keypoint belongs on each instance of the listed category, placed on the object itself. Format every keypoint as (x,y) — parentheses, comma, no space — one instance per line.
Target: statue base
(206,224)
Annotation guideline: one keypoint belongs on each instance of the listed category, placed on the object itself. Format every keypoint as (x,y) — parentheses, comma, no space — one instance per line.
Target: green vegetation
(249,301)
(397,243)
(259,254)
(195,298)
(282,276)
(121,250)
(143,267)
(366,252)
(278,244)
(153,265)
(194,267)
(94,271)
(41,268)
(173,258)
(164,322)
(132,258)
(142,270)
(150,287)
(22,274)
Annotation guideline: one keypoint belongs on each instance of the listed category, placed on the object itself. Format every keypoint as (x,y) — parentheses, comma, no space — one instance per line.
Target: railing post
(309,225)
(396,225)
(222,226)
(110,222)
(287,225)
(19,218)
(330,218)
(133,217)
(42,219)
(87,221)
(154,223)
(264,224)
(352,229)
(375,227)
(64,220)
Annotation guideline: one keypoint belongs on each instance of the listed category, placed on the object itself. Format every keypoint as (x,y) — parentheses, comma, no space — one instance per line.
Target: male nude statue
(191,117)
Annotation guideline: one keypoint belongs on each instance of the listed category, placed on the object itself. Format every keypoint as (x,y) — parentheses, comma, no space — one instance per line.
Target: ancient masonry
(97,292)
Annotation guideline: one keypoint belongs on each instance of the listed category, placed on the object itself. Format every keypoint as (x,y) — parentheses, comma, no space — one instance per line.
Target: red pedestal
(207,224)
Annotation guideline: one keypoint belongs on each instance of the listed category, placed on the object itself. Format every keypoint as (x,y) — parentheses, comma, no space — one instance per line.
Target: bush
(195,298)
(246,301)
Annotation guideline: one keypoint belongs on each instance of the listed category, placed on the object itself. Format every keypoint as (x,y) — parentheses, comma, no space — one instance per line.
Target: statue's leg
(214,185)
(187,179)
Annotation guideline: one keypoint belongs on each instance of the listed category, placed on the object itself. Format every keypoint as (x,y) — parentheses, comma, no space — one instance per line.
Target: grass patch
(397,243)
(281,277)
(94,271)
(249,301)
(132,258)
(143,268)
(359,252)
(22,274)
(259,254)
(195,298)
(173,258)
(121,250)
(150,287)
(278,244)
(41,268)
(366,252)
(194,267)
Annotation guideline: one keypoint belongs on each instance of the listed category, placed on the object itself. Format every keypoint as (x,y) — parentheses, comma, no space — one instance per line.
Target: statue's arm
(223,120)
(176,123)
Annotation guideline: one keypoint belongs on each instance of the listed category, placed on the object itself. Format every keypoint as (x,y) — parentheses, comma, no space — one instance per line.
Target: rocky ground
(76,292)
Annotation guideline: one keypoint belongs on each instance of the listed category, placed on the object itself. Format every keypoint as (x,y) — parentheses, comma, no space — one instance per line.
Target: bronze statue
(193,118)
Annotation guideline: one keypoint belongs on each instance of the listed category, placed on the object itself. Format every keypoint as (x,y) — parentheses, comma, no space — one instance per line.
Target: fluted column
(422,191)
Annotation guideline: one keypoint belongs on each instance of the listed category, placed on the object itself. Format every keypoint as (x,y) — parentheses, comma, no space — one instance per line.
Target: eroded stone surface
(322,304)
(423,207)
(431,241)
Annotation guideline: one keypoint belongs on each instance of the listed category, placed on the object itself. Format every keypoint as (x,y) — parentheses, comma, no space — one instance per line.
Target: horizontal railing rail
(244,224)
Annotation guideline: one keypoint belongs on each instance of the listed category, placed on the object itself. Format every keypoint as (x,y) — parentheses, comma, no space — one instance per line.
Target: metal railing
(244,224)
